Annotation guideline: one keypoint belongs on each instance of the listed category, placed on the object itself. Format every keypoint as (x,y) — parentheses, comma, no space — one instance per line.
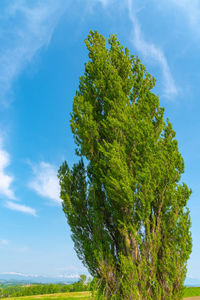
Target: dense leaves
(41,289)
(126,208)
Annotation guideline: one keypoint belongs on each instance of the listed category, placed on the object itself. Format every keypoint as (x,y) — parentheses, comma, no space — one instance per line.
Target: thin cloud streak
(67,276)
(5,179)
(149,50)
(45,181)
(19,274)
(191,11)
(4,242)
(26,28)
(22,208)
(91,5)
(5,187)
(105,2)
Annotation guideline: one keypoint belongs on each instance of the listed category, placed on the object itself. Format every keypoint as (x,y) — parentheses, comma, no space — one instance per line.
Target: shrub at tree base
(127,208)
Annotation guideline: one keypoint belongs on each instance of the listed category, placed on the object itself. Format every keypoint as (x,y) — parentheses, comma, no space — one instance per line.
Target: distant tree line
(40,289)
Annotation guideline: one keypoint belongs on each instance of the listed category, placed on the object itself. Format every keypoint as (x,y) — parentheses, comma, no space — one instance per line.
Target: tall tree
(127,208)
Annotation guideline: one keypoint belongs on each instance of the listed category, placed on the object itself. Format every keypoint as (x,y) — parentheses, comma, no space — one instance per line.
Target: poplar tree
(124,200)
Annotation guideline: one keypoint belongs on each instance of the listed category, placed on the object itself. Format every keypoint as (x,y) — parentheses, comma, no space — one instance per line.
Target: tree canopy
(124,200)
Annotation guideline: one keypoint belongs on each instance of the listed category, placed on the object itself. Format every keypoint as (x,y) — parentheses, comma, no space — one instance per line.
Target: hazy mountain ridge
(25,278)
(19,278)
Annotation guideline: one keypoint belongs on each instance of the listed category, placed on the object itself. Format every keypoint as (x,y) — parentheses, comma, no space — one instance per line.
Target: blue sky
(42,55)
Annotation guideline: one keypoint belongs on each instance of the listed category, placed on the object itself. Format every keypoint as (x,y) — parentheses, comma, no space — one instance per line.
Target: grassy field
(189,292)
(60,296)
(192,292)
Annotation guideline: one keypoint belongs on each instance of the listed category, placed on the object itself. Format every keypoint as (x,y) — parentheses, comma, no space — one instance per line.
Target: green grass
(60,296)
(192,292)
(189,292)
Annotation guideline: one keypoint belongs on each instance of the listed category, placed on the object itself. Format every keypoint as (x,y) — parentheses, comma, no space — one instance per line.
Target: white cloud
(22,249)
(188,14)
(191,11)
(105,2)
(4,242)
(150,51)
(45,182)
(5,187)
(5,179)
(25,27)
(91,5)
(71,270)
(71,276)
(12,273)
(66,276)
(22,208)
(19,274)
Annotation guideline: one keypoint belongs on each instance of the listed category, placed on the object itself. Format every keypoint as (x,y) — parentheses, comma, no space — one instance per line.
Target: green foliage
(83,278)
(127,208)
(41,289)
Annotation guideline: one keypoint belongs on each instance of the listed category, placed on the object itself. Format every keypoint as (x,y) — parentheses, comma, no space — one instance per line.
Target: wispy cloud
(22,249)
(70,276)
(71,271)
(91,5)
(22,208)
(65,276)
(4,242)
(45,182)
(105,2)
(5,179)
(191,11)
(19,274)
(151,51)
(25,27)
(5,187)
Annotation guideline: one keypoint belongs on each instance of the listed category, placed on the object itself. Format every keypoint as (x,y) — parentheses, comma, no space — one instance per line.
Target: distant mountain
(26,278)
(192,282)
(13,277)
